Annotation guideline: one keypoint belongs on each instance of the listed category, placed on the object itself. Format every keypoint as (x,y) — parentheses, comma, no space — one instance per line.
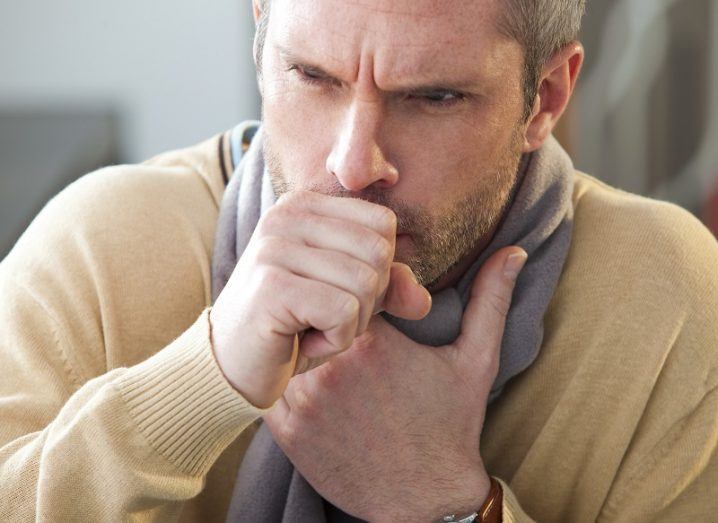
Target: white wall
(176,71)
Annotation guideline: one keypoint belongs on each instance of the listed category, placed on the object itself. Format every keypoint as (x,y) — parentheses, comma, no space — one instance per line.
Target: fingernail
(514,263)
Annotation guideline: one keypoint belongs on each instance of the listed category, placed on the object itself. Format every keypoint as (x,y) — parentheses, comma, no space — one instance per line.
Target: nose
(357,159)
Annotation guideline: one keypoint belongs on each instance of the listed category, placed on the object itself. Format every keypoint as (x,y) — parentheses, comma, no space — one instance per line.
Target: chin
(405,249)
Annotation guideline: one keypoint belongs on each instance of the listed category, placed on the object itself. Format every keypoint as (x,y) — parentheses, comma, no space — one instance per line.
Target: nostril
(357,169)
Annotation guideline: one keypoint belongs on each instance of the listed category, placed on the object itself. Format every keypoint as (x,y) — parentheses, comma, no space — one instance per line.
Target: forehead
(398,36)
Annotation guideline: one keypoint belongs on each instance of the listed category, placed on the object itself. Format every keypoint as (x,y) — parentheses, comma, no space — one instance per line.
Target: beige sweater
(112,406)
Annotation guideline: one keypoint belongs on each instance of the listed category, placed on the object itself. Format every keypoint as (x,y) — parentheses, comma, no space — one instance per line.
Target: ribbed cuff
(183,404)
(512,511)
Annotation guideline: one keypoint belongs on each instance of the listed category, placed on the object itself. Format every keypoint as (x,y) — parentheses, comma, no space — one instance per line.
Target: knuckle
(499,302)
(288,433)
(311,220)
(381,251)
(348,335)
(304,403)
(346,323)
(487,357)
(368,281)
(386,218)
(268,248)
(364,347)
(327,376)
(270,277)
(487,367)
(272,219)
(347,306)
(484,362)
(363,343)
(285,199)
(296,198)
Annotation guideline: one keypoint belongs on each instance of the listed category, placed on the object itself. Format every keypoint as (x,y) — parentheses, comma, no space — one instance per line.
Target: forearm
(133,440)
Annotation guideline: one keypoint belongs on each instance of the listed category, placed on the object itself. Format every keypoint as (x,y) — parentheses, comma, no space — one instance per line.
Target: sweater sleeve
(511,509)
(134,441)
(669,470)
(617,421)
(112,406)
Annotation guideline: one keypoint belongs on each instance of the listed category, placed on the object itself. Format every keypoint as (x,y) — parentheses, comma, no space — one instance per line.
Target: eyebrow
(453,85)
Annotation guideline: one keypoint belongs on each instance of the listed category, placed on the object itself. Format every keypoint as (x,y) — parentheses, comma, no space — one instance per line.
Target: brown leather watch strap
(492,509)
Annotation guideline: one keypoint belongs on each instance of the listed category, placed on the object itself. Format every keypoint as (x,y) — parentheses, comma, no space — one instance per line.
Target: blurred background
(85,84)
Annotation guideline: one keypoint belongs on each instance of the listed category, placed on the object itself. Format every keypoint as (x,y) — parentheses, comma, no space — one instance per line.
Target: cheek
(301,131)
(443,158)
(438,167)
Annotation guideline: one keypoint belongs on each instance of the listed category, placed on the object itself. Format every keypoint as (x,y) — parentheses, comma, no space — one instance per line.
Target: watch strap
(492,509)
(490,512)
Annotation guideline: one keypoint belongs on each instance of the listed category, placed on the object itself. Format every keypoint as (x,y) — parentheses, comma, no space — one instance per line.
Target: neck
(456,271)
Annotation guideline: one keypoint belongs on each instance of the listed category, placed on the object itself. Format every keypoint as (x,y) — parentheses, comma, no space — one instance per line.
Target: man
(409,142)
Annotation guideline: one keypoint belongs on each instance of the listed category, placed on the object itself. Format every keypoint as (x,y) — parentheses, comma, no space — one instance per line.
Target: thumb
(405,297)
(485,315)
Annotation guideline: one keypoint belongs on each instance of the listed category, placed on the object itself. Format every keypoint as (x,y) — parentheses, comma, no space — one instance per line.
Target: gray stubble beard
(440,243)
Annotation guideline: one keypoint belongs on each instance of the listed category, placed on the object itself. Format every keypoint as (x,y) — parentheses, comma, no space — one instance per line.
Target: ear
(257,10)
(558,80)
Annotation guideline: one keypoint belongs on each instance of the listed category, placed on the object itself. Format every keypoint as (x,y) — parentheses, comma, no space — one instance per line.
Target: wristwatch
(490,512)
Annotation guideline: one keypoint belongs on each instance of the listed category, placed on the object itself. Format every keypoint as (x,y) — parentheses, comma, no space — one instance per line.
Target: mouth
(403,239)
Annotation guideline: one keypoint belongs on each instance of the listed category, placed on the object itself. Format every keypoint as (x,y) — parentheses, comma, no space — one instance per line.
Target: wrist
(465,499)
(491,511)
(258,381)
(461,494)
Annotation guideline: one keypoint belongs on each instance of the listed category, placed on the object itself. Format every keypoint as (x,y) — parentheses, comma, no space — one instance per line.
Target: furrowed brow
(412,87)
(292,58)
(444,86)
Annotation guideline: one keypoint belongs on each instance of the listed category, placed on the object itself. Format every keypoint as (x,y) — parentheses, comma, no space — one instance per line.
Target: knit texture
(182,403)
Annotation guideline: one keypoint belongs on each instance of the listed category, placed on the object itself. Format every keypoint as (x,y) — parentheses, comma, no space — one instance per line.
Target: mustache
(409,217)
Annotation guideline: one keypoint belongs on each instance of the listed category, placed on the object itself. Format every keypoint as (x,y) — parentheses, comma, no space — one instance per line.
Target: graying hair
(542,27)
(264,7)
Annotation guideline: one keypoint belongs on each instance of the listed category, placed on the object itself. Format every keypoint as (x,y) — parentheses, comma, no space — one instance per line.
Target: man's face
(412,104)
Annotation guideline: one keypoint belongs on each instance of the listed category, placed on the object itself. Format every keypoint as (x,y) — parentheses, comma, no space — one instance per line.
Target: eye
(439,97)
(310,76)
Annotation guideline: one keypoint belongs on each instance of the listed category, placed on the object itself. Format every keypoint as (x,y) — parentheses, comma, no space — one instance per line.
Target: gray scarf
(539,219)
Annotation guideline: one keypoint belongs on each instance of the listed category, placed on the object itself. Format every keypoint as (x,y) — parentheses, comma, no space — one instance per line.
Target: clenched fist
(316,269)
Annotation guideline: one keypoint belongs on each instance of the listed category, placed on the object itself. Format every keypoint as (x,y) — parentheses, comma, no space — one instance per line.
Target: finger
(304,303)
(305,360)
(491,292)
(322,232)
(372,215)
(314,349)
(331,267)
(405,297)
